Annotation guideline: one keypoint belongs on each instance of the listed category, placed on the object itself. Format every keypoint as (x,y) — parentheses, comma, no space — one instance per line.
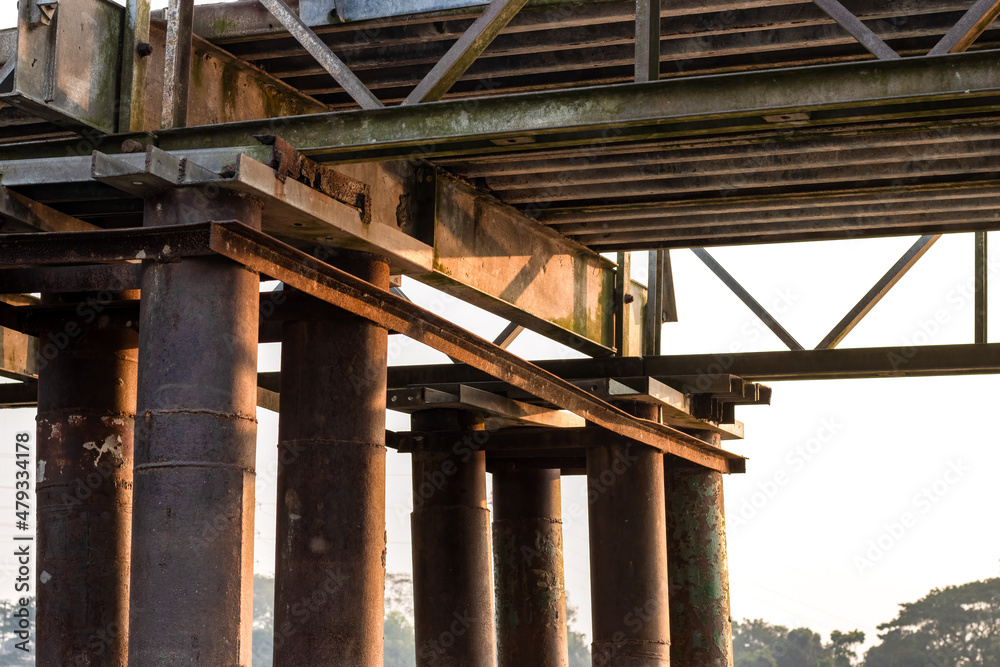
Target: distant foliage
(958,626)
(263,620)
(759,644)
(579,649)
(399,641)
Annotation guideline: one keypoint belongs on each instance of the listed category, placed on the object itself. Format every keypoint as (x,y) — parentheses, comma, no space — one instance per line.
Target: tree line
(957,626)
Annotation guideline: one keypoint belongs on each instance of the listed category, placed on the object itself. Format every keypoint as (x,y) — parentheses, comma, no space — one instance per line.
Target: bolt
(629,298)
(144,49)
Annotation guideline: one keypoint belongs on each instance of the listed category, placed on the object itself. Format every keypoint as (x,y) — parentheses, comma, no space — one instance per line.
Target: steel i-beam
(528,566)
(698,568)
(450,527)
(193,528)
(628,554)
(86,411)
(330,542)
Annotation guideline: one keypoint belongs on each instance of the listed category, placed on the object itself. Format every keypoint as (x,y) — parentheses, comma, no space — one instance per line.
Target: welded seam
(208,413)
(194,464)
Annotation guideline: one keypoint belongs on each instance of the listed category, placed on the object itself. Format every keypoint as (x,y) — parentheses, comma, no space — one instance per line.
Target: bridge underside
(157,167)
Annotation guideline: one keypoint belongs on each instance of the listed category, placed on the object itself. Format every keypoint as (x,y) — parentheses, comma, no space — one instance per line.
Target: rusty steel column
(330,541)
(528,568)
(193,521)
(450,533)
(697,563)
(628,555)
(86,408)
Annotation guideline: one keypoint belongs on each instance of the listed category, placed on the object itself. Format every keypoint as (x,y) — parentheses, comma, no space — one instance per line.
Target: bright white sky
(797,527)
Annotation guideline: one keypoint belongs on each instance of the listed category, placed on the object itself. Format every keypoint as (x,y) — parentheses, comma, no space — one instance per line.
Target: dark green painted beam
(836,364)
(830,94)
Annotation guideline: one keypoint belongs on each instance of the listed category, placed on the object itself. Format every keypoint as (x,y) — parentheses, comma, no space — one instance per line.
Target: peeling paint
(112,444)
(45,577)
(41,471)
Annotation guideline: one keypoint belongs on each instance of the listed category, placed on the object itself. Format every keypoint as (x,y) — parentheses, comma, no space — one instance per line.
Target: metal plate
(68,70)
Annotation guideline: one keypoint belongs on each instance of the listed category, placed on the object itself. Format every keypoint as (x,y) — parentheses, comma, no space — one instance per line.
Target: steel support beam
(647,40)
(628,556)
(86,412)
(491,255)
(470,245)
(747,298)
(981,269)
(67,279)
(528,563)
(134,66)
(625,334)
(509,334)
(836,364)
(898,361)
(450,532)
(331,483)
(879,290)
(661,303)
(7,69)
(465,51)
(177,74)
(968,29)
(647,68)
(18,213)
(19,394)
(858,30)
(18,355)
(193,528)
(334,66)
(292,267)
(731,102)
(700,626)
(263,255)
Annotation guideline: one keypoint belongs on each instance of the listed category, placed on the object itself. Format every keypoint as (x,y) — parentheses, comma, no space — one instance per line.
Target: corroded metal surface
(85,436)
(330,542)
(628,556)
(698,567)
(192,551)
(177,72)
(450,529)
(528,568)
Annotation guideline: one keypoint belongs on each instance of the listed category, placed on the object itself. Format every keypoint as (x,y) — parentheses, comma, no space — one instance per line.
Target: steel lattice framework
(491,150)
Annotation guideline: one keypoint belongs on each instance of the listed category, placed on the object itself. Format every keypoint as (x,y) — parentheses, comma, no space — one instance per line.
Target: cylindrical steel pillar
(697,564)
(528,567)
(450,533)
(330,543)
(86,411)
(628,555)
(193,527)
